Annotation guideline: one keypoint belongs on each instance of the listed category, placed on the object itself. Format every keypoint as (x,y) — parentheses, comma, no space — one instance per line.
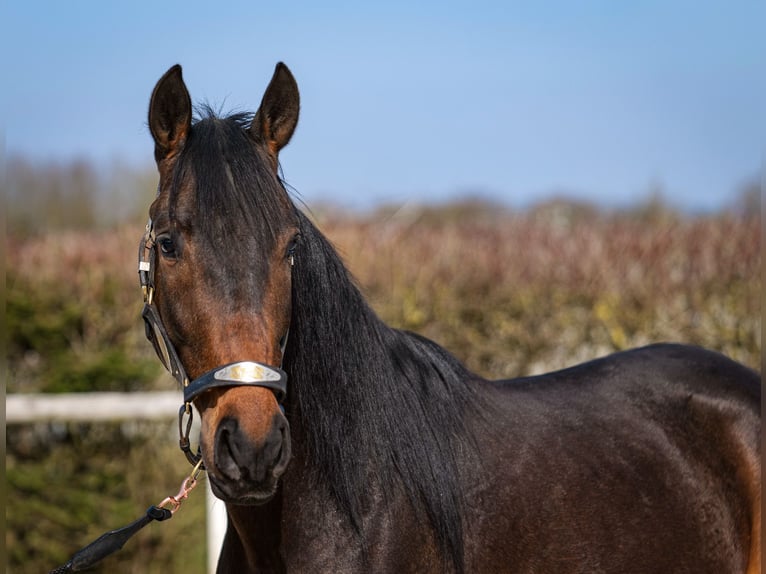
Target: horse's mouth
(243,494)
(244,472)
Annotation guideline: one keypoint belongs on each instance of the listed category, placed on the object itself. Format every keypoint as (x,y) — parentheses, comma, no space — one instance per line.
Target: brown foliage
(513,294)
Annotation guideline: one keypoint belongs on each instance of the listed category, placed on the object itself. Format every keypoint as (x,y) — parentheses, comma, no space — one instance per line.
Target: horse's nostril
(283,456)
(227,449)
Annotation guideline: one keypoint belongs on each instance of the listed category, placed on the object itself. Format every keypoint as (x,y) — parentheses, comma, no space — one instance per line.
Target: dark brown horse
(388,455)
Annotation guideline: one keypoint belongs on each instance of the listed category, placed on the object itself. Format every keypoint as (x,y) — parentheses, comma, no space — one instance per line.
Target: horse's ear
(170,114)
(275,121)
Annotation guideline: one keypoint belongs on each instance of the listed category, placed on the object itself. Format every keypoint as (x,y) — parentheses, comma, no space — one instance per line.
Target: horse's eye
(167,247)
(293,247)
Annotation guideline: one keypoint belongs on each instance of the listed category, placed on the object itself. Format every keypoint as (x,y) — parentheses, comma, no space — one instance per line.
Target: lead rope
(110,542)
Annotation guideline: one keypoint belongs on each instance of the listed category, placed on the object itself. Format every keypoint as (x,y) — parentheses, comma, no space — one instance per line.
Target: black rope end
(158,514)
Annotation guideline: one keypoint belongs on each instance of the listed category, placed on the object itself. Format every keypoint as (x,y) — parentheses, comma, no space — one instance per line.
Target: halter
(240,373)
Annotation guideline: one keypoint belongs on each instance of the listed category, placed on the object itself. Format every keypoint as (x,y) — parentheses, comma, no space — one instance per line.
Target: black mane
(234,180)
(374,401)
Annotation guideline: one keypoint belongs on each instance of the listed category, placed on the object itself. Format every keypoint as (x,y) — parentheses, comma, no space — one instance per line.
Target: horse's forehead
(221,188)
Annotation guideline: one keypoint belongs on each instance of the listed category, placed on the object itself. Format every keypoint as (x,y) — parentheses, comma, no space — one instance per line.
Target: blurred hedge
(521,293)
(510,293)
(73,310)
(70,483)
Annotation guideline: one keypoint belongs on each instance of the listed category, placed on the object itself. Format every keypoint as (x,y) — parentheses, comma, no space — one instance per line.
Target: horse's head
(224,232)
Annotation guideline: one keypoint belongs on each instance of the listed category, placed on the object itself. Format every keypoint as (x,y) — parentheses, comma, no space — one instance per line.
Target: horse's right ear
(170,114)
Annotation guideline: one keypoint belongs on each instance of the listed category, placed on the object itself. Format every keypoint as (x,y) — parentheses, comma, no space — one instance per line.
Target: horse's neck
(363,396)
(253,539)
(334,358)
(332,325)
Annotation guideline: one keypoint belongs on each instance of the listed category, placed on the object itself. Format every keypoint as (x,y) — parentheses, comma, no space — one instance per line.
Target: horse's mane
(231,184)
(374,401)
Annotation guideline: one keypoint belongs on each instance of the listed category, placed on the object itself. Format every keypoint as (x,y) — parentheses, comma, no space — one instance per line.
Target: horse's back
(643,461)
(664,367)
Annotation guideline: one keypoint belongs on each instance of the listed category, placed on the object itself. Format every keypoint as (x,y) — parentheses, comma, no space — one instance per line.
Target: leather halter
(240,373)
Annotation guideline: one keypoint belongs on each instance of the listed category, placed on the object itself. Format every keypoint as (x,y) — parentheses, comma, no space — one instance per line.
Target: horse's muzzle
(245,471)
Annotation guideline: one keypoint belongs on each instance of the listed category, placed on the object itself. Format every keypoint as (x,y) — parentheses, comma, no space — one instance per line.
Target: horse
(340,444)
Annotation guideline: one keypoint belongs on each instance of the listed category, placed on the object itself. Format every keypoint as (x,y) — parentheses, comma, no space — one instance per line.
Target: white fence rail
(91,407)
(21,409)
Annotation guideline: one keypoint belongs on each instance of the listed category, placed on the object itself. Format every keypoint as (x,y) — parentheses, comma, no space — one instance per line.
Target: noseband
(240,373)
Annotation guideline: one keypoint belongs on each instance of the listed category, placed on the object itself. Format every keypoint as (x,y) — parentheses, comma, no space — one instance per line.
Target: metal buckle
(183,436)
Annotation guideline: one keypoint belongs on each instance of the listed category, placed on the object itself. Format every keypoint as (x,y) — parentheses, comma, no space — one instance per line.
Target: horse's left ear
(276,118)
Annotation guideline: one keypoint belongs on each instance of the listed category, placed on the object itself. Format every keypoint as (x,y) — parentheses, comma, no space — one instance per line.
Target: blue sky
(406,101)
